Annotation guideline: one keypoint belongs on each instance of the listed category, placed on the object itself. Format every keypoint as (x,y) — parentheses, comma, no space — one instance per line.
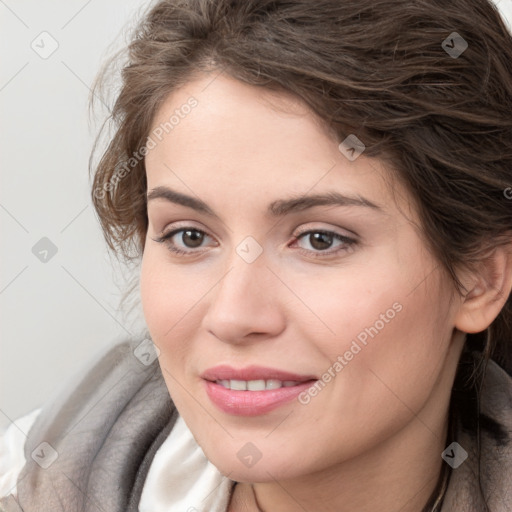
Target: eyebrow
(277,208)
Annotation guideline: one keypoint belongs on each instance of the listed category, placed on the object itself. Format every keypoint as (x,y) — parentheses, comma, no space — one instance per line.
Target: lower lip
(252,403)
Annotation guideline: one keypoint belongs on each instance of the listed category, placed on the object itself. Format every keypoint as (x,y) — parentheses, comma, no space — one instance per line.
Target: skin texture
(372,438)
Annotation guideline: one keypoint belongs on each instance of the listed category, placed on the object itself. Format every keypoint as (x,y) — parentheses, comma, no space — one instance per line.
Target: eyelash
(348,242)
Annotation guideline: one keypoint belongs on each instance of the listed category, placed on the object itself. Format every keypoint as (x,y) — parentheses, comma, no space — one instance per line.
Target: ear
(488,290)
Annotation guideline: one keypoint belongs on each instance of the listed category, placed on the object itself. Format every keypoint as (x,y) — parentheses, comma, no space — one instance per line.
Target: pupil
(320,240)
(195,236)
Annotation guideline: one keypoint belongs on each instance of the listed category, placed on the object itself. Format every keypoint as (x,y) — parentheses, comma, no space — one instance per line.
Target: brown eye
(320,241)
(182,241)
(192,238)
(324,243)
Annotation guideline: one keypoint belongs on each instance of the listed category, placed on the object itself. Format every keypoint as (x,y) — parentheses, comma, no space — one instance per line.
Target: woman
(319,194)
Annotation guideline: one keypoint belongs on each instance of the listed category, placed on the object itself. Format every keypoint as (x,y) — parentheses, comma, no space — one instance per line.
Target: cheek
(154,298)
(382,334)
(391,358)
(174,302)
(391,305)
(381,364)
(168,296)
(167,304)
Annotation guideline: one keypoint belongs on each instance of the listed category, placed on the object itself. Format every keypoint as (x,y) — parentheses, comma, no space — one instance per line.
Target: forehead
(239,137)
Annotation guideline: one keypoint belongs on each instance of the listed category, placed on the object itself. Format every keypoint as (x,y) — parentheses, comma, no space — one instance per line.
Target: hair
(377,69)
(373,68)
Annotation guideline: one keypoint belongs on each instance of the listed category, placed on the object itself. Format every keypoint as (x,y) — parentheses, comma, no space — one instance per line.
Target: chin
(244,461)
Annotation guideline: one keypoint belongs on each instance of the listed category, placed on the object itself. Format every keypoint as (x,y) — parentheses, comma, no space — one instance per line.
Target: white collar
(182,479)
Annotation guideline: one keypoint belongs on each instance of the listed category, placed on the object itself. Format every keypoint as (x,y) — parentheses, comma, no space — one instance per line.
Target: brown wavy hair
(374,68)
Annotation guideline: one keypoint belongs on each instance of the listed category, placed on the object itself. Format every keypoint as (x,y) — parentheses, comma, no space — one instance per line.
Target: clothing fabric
(180,477)
(103,435)
(12,457)
(121,446)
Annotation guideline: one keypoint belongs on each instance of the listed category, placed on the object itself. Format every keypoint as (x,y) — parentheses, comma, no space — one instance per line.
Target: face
(290,269)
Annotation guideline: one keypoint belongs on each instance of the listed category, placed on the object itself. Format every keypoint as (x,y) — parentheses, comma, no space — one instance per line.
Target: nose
(244,306)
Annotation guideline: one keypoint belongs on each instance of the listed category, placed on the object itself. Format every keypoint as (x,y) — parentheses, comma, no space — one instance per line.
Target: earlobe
(489,289)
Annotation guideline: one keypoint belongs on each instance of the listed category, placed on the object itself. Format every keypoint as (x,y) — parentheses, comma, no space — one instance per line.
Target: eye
(186,240)
(321,240)
(189,238)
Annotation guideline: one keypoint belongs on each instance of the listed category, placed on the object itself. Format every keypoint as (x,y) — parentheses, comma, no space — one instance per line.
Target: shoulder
(109,420)
(482,477)
(496,444)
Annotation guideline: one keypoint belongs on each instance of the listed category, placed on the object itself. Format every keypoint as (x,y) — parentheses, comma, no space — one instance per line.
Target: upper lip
(225,372)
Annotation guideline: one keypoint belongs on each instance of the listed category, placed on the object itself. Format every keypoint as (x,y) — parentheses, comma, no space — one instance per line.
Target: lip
(252,403)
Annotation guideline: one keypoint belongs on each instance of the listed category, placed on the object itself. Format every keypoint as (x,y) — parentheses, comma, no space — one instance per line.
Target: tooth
(255,385)
(238,385)
(273,384)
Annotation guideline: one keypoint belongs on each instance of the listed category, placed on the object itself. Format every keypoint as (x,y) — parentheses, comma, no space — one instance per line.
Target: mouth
(253,391)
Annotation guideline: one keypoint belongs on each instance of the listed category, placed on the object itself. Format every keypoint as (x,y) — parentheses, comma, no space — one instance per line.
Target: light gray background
(55,315)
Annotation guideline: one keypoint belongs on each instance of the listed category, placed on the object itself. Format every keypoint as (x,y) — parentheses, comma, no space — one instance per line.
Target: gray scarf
(106,432)
(107,429)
